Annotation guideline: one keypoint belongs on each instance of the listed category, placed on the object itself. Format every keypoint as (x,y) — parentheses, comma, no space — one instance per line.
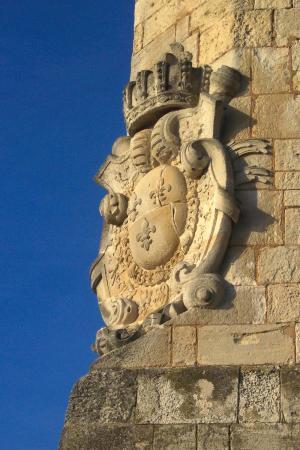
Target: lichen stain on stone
(209,384)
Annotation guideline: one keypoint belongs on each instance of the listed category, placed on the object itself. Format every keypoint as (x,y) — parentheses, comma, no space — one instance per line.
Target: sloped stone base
(207,408)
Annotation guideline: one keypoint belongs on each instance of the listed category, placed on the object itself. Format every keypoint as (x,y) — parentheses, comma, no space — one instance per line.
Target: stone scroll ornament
(170,207)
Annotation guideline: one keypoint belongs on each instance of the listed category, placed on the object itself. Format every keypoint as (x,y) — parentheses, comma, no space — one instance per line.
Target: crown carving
(172,83)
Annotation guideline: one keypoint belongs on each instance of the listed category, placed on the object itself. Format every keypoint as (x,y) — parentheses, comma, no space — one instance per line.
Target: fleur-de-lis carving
(145,236)
(158,196)
(133,207)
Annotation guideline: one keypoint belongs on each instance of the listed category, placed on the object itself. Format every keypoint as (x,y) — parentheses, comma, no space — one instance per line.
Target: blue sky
(63,67)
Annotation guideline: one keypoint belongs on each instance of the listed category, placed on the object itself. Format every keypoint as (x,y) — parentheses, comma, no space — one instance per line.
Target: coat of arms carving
(170,206)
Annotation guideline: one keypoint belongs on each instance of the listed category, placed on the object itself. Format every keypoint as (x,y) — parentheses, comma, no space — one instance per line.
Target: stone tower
(198,272)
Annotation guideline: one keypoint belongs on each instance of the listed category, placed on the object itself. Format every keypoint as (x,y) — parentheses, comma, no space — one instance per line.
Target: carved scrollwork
(171,205)
(119,312)
(113,208)
(197,289)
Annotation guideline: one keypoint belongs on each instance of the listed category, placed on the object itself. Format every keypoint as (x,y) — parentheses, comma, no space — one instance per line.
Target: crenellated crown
(172,83)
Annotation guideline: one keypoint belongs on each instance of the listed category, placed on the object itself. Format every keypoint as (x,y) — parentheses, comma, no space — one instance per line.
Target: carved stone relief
(170,206)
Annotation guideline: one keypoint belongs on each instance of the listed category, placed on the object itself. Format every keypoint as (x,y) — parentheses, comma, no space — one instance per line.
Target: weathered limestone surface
(260,221)
(182,437)
(246,344)
(272,4)
(151,350)
(212,437)
(297,330)
(186,408)
(104,396)
(268,108)
(239,266)
(265,436)
(296,65)
(93,436)
(260,395)
(287,155)
(279,265)
(184,346)
(287,180)
(292,198)
(187,396)
(292,226)
(283,303)
(271,70)
(290,395)
(287,26)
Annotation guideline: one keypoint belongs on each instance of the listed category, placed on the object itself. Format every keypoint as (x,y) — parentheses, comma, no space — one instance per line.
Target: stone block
(213,437)
(184,346)
(287,180)
(191,44)
(292,226)
(171,437)
(148,56)
(287,26)
(259,395)
(92,436)
(208,14)
(182,29)
(260,218)
(258,436)
(145,9)
(297,328)
(151,350)
(272,4)
(171,12)
(277,116)
(296,3)
(236,29)
(242,304)
(290,394)
(103,396)
(190,395)
(157,24)
(296,64)
(239,266)
(138,38)
(283,303)
(216,41)
(237,120)
(246,344)
(242,29)
(271,72)
(292,198)
(287,154)
(253,28)
(279,265)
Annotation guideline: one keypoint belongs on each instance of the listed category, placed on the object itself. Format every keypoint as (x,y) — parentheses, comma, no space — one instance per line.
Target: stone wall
(226,378)
(261,39)
(209,408)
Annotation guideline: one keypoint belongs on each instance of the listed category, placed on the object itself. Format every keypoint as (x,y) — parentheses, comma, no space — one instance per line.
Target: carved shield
(157,216)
